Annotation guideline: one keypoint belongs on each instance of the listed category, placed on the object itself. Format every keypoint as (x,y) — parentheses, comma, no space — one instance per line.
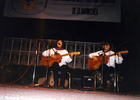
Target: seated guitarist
(62,63)
(110,62)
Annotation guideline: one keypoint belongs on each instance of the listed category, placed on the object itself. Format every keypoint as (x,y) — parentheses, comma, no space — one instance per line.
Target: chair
(66,83)
(97,80)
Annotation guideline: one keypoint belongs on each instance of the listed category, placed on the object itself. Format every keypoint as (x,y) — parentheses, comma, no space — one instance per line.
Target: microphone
(47,41)
(100,55)
(102,43)
(41,40)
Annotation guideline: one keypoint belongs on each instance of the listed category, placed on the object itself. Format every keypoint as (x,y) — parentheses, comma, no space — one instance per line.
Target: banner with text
(82,10)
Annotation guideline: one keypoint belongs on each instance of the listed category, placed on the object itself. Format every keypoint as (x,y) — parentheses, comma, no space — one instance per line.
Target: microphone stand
(102,65)
(115,73)
(102,69)
(46,77)
(32,84)
(34,71)
(115,83)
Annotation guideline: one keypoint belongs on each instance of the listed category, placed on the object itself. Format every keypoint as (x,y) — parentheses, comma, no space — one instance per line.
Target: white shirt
(111,61)
(64,60)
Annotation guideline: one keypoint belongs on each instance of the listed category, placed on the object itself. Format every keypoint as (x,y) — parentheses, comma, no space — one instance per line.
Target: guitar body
(58,59)
(51,60)
(93,64)
(96,64)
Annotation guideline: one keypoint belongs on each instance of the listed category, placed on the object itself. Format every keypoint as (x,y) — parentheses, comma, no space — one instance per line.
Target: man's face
(59,44)
(107,47)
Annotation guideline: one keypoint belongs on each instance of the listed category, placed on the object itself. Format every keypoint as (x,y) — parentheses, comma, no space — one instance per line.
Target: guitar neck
(65,54)
(111,55)
(117,53)
(75,53)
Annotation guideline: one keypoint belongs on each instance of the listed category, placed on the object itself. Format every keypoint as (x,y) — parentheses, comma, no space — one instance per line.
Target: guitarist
(62,64)
(110,65)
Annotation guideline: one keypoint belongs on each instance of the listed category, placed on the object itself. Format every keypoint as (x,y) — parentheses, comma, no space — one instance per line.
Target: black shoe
(61,87)
(55,87)
(45,86)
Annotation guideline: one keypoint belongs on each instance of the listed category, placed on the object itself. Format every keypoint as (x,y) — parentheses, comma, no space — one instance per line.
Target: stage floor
(27,92)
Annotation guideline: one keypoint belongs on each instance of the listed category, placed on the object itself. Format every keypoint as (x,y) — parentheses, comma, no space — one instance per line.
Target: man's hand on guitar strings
(71,54)
(53,56)
(119,54)
(94,58)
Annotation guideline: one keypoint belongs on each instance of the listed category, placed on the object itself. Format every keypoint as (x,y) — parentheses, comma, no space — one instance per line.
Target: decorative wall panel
(22,51)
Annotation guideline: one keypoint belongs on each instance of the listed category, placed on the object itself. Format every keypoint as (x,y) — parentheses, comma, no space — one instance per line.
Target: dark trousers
(106,73)
(63,75)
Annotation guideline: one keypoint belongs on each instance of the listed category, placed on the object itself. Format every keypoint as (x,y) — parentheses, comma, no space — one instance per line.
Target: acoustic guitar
(95,64)
(51,60)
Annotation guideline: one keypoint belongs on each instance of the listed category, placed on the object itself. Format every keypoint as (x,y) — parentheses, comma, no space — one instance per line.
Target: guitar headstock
(76,53)
(126,51)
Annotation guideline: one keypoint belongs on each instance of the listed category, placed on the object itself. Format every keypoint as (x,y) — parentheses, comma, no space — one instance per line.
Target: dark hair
(106,43)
